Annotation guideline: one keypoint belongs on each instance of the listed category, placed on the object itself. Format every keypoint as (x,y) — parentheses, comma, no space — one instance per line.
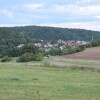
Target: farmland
(55,78)
(89,54)
(41,81)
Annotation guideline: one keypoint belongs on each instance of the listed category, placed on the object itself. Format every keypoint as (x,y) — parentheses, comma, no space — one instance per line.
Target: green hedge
(5,59)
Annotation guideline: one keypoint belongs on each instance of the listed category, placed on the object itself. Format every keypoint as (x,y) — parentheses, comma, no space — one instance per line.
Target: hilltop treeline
(51,33)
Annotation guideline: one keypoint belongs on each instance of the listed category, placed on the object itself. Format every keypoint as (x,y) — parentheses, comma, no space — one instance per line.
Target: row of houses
(60,44)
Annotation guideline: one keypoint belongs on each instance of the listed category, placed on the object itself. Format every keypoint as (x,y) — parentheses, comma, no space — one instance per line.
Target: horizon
(45,26)
(77,14)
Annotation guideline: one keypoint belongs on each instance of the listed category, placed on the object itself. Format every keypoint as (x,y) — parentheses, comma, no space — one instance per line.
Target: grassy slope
(21,82)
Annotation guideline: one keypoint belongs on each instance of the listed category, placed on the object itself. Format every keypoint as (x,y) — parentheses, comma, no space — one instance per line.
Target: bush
(55,52)
(5,59)
(65,51)
(38,57)
(30,57)
(26,57)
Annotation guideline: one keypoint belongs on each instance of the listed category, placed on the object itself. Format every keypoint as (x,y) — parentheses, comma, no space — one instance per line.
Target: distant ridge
(54,33)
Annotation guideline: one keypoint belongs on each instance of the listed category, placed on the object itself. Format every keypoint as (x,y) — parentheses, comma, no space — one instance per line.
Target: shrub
(26,57)
(55,52)
(30,57)
(65,51)
(38,57)
(5,59)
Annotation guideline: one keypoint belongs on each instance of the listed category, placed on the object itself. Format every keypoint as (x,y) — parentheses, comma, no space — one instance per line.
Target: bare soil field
(89,54)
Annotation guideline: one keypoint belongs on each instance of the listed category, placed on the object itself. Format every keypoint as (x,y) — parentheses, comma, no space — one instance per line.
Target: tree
(30,48)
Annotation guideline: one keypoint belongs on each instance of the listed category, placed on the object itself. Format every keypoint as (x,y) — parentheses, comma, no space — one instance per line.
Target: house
(60,41)
(38,44)
(62,47)
(20,45)
(81,42)
(71,43)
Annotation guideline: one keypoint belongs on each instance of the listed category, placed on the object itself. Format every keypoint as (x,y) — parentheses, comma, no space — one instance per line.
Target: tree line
(51,33)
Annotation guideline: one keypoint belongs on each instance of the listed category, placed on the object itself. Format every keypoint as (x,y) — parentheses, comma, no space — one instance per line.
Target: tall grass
(25,82)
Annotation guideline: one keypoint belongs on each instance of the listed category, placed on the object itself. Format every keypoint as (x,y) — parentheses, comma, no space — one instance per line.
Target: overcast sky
(59,13)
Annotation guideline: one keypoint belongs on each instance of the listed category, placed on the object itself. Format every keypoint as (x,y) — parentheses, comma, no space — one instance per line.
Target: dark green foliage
(5,59)
(30,48)
(38,57)
(27,48)
(9,40)
(26,57)
(95,43)
(72,50)
(65,51)
(1,56)
(68,50)
(55,52)
(81,47)
(15,52)
(51,33)
(30,57)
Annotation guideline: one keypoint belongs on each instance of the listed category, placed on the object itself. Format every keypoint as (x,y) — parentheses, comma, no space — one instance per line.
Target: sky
(84,14)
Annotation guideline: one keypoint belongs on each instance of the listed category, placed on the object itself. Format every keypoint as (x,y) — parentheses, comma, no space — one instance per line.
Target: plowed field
(89,54)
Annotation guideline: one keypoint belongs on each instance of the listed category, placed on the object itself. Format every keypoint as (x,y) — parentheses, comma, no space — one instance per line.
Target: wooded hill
(11,37)
(51,33)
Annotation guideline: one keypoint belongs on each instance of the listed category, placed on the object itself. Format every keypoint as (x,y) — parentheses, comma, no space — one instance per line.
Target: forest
(55,33)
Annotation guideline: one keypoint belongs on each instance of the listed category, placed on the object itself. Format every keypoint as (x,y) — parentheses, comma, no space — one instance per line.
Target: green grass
(22,81)
(91,63)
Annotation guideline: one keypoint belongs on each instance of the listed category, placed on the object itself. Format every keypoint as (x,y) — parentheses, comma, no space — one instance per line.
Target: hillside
(51,33)
(89,54)
(10,39)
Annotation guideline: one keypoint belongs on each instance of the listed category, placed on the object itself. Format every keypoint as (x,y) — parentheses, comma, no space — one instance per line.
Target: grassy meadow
(30,81)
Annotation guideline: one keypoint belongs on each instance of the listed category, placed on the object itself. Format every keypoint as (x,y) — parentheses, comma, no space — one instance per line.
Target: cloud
(81,25)
(13,25)
(97,17)
(84,2)
(32,6)
(77,10)
(78,25)
(61,13)
(6,13)
(87,1)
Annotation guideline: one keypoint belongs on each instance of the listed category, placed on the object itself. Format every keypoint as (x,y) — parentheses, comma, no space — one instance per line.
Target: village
(59,44)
